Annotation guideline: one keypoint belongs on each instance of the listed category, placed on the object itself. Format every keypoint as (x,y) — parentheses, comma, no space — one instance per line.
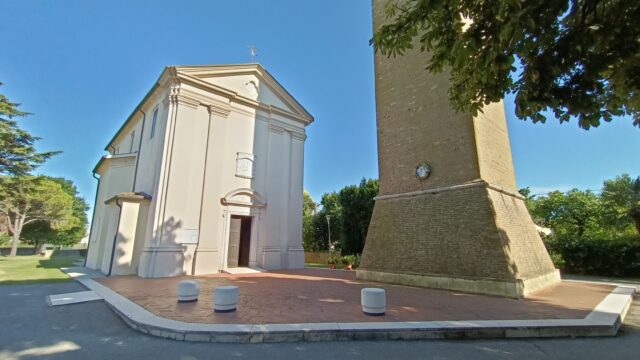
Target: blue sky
(81,66)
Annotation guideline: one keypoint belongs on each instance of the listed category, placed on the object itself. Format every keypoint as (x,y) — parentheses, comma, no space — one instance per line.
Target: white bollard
(188,291)
(373,301)
(225,298)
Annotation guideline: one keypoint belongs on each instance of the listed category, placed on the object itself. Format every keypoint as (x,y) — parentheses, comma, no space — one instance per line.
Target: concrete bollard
(188,291)
(225,298)
(373,301)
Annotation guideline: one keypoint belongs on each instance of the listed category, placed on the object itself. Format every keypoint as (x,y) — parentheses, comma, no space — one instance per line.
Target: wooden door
(235,225)
(245,241)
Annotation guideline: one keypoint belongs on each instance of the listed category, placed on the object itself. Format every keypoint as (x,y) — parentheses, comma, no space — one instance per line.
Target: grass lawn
(322,266)
(316,265)
(33,269)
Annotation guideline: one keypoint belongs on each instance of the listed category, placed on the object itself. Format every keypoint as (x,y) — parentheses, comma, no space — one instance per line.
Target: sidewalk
(317,295)
(320,305)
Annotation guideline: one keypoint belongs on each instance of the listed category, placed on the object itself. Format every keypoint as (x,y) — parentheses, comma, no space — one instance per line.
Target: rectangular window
(133,137)
(153,123)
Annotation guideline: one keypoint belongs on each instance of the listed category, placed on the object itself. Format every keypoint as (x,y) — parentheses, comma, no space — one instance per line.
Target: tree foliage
(331,208)
(622,200)
(349,211)
(28,199)
(577,58)
(308,211)
(575,213)
(18,155)
(357,207)
(41,232)
(592,233)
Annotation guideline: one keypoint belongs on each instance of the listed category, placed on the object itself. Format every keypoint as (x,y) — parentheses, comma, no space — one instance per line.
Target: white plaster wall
(140,236)
(183,189)
(229,135)
(295,251)
(188,175)
(123,142)
(277,183)
(123,256)
(151,149)
(116,176)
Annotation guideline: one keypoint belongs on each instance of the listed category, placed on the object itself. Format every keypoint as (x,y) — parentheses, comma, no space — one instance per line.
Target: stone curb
(604,320)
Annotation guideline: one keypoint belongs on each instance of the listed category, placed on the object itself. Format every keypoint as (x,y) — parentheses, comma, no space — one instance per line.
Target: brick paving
(317,295)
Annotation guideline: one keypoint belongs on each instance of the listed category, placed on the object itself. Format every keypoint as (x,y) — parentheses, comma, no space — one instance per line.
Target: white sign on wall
(190,236)
(244,165)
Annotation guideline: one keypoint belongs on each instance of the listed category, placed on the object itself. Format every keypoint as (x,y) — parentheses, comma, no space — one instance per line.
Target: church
(204,176)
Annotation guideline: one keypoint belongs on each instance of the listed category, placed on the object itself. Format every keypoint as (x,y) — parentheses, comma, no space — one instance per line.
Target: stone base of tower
(515,289)
(473,237)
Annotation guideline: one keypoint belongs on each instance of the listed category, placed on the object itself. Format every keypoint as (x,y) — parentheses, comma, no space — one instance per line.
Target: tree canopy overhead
(18,155)
(576,58)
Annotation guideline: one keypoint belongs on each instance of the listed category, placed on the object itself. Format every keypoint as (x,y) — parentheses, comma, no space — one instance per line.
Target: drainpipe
(93,216)
(135,171)
(115,237)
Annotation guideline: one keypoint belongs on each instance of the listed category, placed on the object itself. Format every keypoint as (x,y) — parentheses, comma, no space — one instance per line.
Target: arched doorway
(243,209)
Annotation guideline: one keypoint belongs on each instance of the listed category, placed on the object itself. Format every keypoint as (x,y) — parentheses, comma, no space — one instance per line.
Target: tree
(578,58)
(308,211)
(330,206)
(357,206)
(308,205)
(27,199)
(622,198)
(575,214)
(18,155)
(349,211)
(41,232)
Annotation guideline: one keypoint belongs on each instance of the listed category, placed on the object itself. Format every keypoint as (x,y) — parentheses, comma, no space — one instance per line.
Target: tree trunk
(17,229)
(37,247)
(14,244)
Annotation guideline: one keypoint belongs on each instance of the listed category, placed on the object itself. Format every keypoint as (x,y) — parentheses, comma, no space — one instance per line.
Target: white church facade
(204,176)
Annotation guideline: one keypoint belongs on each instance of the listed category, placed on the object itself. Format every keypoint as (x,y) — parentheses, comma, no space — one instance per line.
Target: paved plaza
(316,295)
(32,330)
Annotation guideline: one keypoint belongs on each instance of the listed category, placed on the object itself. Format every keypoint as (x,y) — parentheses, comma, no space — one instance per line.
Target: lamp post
(329,227)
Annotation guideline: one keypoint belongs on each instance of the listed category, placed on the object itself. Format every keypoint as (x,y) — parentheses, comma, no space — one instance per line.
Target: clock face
(423,171)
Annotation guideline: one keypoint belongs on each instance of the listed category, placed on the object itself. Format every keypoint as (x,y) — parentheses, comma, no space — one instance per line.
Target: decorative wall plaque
(190,236)
(244,165)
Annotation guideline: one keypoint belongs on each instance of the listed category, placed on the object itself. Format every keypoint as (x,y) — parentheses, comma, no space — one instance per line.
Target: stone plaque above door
(244,165)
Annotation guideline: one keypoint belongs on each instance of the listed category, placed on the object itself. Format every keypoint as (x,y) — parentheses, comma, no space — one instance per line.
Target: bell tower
(448,214)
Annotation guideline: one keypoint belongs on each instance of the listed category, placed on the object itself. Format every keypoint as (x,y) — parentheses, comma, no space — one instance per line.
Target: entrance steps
(243,270)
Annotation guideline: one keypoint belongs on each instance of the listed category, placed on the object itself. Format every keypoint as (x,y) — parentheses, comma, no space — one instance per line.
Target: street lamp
(329,227)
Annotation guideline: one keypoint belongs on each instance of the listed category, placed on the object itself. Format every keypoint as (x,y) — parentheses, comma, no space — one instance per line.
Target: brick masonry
(462,232)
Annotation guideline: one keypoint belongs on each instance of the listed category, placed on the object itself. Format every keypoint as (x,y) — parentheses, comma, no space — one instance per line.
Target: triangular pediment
(250,81)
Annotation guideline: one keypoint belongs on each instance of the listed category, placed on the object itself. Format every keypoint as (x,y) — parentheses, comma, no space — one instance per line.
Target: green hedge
(620,257)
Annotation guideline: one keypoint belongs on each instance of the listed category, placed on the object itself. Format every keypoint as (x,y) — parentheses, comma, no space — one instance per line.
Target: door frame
(235,203)
(255,215)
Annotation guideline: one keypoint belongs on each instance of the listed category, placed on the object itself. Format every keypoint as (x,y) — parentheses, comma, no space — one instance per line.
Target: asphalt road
(29,329)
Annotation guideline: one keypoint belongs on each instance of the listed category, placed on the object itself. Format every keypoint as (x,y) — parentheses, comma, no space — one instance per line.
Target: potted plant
(346,262)
(355,261)
(332,261)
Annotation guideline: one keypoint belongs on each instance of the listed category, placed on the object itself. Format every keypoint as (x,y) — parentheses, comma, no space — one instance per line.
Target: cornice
(251,68)
(474,183)
(241,99)
(275,128)
(187,100)
(219,109)
(298,136)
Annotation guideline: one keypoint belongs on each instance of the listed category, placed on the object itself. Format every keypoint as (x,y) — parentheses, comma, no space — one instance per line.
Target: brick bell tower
(448,214)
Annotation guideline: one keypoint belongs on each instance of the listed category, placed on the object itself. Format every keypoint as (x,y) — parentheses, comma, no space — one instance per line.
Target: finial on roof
(253,52)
